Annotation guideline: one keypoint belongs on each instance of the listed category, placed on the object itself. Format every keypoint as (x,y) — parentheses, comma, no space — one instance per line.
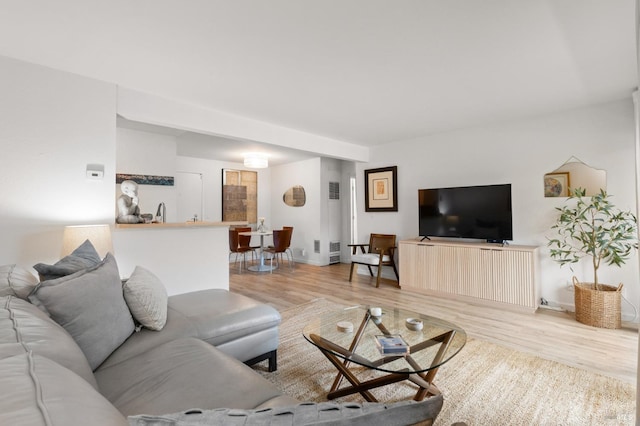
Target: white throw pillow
(147,298)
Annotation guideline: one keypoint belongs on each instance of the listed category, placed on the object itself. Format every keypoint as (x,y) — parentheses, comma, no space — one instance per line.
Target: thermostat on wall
(95,171)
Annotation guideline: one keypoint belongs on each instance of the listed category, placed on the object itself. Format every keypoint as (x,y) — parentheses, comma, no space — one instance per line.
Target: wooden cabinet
(485,272)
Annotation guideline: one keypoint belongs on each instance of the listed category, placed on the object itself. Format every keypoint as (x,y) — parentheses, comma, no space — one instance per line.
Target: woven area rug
(485,384)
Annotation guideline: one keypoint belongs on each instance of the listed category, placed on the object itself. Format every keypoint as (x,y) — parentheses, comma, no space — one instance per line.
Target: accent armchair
(379,252)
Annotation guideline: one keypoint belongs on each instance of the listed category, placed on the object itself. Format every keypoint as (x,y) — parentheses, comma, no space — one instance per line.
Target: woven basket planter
(598,308)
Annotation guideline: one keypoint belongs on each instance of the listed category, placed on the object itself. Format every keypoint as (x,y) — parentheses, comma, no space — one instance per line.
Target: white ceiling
(361,71)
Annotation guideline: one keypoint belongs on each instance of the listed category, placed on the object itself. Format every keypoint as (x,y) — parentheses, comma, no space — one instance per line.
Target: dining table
(262,266)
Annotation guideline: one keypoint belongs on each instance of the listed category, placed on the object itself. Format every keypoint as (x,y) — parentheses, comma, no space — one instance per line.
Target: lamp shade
(99,235)
(256,160)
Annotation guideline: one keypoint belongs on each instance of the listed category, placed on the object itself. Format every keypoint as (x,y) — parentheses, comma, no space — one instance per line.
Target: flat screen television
(479,212)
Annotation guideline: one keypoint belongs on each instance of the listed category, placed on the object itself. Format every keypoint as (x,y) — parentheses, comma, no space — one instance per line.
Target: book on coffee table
(392,344)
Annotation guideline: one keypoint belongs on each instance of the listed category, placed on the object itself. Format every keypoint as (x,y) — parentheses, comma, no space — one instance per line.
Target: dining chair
(379,252)
(244,241)
(289,250)
(281,238)
(239,244)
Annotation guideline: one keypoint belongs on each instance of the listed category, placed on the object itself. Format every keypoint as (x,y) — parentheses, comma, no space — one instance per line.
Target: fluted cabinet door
(513,277)
(410,273)
(475,273)
(487,272)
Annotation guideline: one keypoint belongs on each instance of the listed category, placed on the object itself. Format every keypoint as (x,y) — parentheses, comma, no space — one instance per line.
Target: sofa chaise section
(185,373)
(235,324)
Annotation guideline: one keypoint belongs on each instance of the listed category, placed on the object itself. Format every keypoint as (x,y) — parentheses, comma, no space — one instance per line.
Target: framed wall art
(145,179)
(556,184)
(239,196)
(381,189)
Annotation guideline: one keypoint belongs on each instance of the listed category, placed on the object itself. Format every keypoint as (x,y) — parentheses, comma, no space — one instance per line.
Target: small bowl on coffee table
(414,324)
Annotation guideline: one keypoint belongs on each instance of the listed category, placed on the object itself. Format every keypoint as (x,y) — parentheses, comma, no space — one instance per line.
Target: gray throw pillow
(91,307)
(147,298)
(85,256)
(16,281)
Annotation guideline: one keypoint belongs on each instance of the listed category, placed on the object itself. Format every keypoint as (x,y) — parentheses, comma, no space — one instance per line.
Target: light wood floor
(551,335)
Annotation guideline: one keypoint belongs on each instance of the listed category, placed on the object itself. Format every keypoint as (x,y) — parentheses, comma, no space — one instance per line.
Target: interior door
(189,187)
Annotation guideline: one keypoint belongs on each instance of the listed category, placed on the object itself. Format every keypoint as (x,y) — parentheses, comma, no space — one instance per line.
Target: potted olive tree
(592,227)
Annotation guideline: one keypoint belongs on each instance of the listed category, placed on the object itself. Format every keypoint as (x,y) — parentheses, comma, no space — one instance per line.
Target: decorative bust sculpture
(128,210)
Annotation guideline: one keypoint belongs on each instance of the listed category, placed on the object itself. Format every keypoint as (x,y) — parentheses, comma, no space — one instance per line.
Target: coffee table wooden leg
(425,388)
(369,384)
(343,371)
(326,347)
(352,348)
(431,374)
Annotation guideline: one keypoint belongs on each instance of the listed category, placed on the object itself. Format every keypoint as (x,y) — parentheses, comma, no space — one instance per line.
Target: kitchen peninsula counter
(190,224)
(185,256)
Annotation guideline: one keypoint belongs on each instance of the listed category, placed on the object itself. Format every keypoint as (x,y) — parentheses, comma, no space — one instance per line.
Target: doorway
(190,194)
(354,211)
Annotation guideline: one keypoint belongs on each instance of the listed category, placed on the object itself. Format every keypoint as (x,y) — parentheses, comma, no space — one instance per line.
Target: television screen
(481,212)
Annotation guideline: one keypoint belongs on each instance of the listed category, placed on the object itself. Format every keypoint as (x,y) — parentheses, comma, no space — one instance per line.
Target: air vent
(316,246)
(334,252)
(334,190)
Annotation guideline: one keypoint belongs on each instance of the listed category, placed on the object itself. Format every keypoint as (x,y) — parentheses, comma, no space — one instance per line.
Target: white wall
(331,214)
(52,124)
(306,220)
(211,171)
(518,153)
(146,153)
(348,172)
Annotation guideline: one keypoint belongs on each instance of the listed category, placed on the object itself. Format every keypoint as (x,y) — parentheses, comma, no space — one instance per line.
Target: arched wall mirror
(574,174)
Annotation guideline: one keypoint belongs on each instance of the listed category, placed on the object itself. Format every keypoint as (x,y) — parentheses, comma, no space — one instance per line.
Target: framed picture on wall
(556,184)
(239,196)
(381,189)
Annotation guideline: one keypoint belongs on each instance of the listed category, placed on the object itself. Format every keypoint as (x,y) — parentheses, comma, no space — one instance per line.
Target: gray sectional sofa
(51,382)
(72,353)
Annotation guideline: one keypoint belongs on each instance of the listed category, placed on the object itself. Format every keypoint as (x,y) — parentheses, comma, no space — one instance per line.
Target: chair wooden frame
(281,241)
(289,250)
(239,245)
(380,244)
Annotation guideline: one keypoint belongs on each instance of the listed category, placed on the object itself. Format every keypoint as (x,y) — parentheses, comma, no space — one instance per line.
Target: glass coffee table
(430,346)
